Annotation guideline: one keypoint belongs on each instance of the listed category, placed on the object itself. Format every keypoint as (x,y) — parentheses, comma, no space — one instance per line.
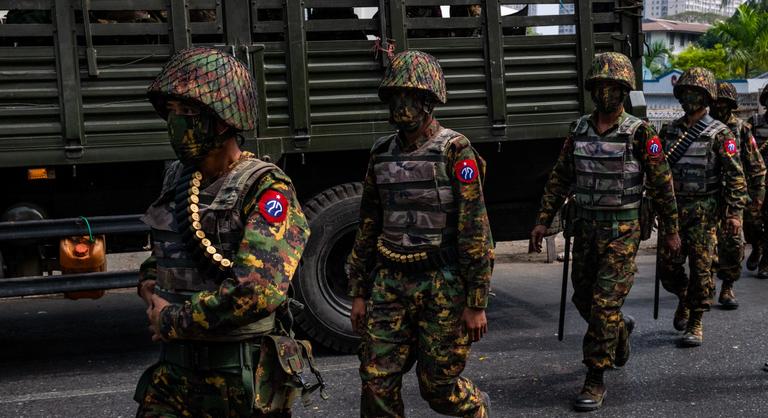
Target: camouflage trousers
(698,220)
(753,226)
(416,318)
(175,391)
(602,274)
(730,254)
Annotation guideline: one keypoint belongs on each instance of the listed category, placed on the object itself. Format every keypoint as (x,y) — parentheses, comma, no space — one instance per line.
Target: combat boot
(694,331)
(681,316)
(762,268)
(754,257)
(623,349)
(592,394)
(727,297)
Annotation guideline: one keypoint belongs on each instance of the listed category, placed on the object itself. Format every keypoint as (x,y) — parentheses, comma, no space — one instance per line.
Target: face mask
(192,136)
(608,98)
(407,111)
(721,110)
(692,100)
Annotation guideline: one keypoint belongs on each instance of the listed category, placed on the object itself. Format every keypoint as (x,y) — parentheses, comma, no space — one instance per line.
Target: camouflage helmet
(611,66)
(416,70)
(699,78)
(211,78)
(726,91)
(764,96)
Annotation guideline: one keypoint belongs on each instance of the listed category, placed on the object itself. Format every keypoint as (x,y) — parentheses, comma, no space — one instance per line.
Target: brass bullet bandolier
(212,262)
(677,150)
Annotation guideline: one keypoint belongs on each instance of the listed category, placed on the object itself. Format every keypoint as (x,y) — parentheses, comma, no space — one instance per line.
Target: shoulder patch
(466,171)
(730,147)
(273,206)
(653,147)
(753,141)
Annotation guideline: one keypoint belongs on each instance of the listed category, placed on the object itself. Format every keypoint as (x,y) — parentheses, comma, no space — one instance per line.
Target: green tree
(714,59)
(745,37)
(656,56)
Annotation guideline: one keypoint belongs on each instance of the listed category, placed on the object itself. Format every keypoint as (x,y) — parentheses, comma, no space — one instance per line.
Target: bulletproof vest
(418,203)
(760,132)
(608,176)
(697,173)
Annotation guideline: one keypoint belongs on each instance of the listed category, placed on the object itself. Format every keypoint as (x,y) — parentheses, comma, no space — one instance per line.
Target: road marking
(65,394)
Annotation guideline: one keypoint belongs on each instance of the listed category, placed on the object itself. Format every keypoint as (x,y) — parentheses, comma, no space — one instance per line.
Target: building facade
(664,8)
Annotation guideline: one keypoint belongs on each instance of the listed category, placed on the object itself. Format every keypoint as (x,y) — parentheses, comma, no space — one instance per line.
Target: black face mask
(692,100)
(608,98)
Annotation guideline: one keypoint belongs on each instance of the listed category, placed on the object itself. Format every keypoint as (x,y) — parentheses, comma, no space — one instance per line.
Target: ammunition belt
(221,356)
(416,261)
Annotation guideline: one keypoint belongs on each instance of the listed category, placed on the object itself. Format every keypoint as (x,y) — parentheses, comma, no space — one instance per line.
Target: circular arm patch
(466,171)
(653,147)
(730,147)
(273,206)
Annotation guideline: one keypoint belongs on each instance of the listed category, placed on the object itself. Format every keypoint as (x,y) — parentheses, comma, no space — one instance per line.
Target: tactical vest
(760,132)
(608,176)
(697,173)
(418,203)
(180,273)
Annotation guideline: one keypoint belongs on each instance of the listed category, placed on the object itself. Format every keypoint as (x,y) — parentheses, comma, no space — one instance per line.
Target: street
(62,358)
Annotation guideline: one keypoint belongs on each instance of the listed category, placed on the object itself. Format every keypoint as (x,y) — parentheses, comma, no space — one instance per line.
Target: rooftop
(663,25)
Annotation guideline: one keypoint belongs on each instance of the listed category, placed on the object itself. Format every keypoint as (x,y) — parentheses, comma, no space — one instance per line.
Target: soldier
(422,260)
(730,248)
(709,185)
(759,126)
(228,234)
(603,160)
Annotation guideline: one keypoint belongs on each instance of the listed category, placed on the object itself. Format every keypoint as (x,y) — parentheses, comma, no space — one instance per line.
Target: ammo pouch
(285,367)
(646,218)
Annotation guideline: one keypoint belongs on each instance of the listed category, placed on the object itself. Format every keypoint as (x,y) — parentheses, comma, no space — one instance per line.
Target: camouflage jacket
(658,177)
(734,193)
(268,256)
(474,243)
(751,160)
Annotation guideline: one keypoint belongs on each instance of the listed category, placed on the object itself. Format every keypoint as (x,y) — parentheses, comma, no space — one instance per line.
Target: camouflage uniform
(422,201)
(709,185)
(730,248)
(607,233)
(605,172)
(759,129)
(249,215)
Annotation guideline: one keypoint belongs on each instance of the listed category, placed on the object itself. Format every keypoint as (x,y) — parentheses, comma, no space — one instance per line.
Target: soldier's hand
(156,306)
(733,226)
(673,244)
(146,290)
(537,235)
(358,315)
(476,323)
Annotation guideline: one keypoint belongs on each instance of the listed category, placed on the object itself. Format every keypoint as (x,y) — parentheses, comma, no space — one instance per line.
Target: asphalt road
(61,358)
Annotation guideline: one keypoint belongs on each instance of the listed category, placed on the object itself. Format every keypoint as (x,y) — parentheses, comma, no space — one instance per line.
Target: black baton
(564,290)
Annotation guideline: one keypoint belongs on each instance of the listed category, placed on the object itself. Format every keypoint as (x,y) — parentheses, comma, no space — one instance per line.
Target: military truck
(83,153)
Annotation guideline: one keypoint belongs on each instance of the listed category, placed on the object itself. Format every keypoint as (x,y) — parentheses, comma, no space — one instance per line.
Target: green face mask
(193,136)
(407,111)
(720,110)
(692,100)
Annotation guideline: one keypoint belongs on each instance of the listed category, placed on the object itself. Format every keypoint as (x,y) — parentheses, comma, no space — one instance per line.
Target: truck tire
(333,217)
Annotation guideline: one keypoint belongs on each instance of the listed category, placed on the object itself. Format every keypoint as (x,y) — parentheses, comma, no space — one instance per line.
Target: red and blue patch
(653,147)
(273,206)
(466,171)
(730,147)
